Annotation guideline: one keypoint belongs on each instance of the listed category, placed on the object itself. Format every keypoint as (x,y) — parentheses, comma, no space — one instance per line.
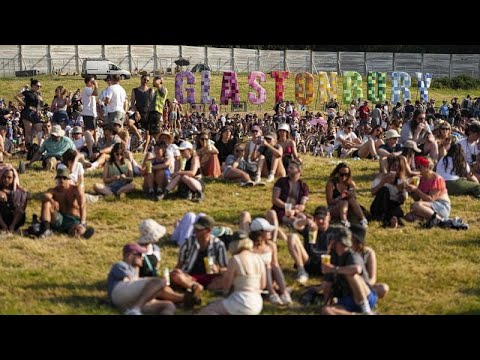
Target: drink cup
(166,275)
(325,259)
(415,180)
(149,167)
(183,163)
(288,209)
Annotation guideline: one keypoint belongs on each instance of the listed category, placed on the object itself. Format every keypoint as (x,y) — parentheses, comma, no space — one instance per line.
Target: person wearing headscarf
(13,200)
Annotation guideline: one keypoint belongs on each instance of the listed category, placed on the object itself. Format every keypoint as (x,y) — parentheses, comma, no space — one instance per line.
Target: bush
(441,83)
(460,82)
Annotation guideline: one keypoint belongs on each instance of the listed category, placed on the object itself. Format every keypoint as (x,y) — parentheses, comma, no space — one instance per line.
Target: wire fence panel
(408,62)
(245,60)
(89,51)
(271,60)
(324,61)
(62,59)
(195,54)
(118,54)
(352,61)
(437,64)
(381,62)
(142,57)
(465,64)
(219,59)
(298,61)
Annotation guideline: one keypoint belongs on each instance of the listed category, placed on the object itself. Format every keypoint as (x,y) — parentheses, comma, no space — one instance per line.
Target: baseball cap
(358,232)
(261,224)
(410,144)
(321,211)
(204,222)
(271,135)
(133,248)
(185,145)
(77,130)
(62,172)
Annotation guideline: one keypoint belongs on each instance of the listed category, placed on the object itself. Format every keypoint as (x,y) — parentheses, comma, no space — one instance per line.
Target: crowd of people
(423,153)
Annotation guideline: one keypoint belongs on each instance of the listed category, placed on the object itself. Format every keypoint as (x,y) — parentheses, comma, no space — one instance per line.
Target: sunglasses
(343,174)
(137,254)
(118,153)
(254,130)
(239,150)
(444,128)
(204,139)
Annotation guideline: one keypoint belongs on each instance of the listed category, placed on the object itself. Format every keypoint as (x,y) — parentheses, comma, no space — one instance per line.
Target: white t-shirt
(341,134)
(117,96)
(79,143)
(76,173)
(470,151)
(89,102)
(446,174)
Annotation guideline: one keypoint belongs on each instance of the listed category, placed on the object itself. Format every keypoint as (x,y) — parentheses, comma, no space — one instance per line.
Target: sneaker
(257,179)
(302,277)
(88,232)
(159,196)
(271,178)
(286,298)
(364,222)
(247,184)
(200,196)
(45,234)
(376,157)
(259,183)
(275,299)
(133,312)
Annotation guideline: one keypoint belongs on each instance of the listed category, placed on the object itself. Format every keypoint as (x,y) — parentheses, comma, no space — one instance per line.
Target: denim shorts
(442,208)
(350,305)
(117,185)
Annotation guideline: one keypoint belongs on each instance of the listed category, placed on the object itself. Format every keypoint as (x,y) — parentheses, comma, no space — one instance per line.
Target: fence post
(311,61)
(285,63)
(365,62)
(257,63)
(338,63)
(155,59)
(130,58)
(103,51)
(180,51)
(393,63)
(49,59)
(20,57)
(422,61)
(232,59)
(205,61)
(450,67)
(77,60)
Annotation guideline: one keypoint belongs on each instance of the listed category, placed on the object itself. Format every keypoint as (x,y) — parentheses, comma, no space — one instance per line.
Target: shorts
(30,115)
(126,293)
(90,122)
(350,305)
(59,117)
(442,208)
(172,116)
(64,223)
(154,122)
(117,185)
(116,115)
(204,279)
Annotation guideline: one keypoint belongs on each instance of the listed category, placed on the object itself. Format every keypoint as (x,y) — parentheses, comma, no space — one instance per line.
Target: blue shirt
(118,272)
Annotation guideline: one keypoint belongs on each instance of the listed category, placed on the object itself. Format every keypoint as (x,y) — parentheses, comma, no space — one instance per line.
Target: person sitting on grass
(271,165)
(13,200)
(341,198)
(134,295)
(156,179)
(370,259)
(346,277)
(246,274)
(64,209)
(432,201)
(202,259)
(188,176)
(117,175)
(52,149)
(307,255)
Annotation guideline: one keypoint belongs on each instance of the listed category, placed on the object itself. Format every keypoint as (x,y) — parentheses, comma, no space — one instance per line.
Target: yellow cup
(415,180)
(312,236)
(325,259)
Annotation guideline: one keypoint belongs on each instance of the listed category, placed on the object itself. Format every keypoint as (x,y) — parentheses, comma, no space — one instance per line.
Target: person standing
(155,109)
(116,101)
(89,111)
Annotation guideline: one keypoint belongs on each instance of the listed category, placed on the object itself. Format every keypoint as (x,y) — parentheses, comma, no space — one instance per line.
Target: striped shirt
(190,248)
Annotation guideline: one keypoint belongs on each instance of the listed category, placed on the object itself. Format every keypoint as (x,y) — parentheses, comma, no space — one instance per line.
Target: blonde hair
(238,246)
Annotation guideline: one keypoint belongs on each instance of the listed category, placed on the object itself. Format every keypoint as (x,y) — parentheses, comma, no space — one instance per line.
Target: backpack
(32,150)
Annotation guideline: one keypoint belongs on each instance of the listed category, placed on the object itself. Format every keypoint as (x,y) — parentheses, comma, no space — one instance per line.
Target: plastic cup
(288,209)
(415,180)
(325,259)
(312,236)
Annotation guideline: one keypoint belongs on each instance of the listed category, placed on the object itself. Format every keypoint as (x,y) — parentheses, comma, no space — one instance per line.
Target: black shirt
(31,99)
(199,265)
(225,149)
(340,285)
(315,251)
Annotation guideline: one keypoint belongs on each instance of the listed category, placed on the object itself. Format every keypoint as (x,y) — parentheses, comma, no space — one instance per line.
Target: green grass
(429,271)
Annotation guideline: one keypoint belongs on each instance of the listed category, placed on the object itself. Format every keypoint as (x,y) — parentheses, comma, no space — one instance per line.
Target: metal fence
(67,59)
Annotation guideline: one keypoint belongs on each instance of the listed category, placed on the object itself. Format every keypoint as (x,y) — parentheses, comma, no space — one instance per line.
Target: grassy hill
(429,271)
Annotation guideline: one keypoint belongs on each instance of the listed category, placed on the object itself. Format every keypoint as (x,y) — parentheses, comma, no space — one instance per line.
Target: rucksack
(32,150)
